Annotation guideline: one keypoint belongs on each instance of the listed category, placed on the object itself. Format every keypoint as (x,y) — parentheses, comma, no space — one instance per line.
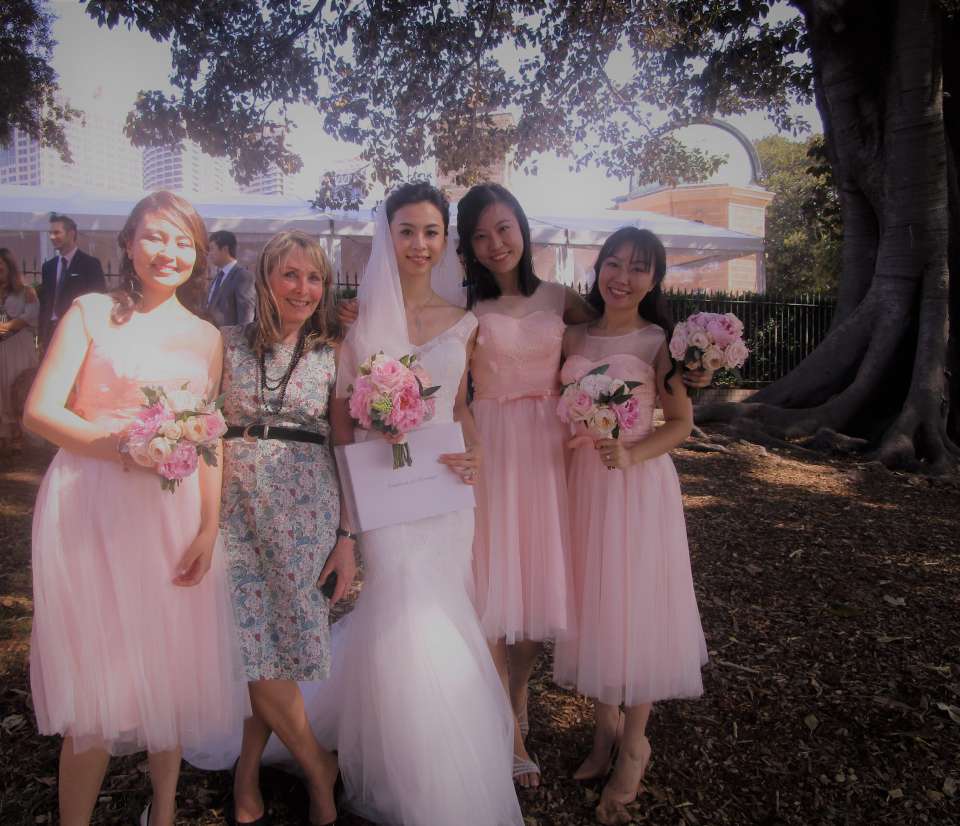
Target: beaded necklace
(266,384)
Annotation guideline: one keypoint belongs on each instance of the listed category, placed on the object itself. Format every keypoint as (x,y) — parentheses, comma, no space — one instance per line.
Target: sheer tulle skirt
(413,705)
(522,567)
(121,657)
(639,634)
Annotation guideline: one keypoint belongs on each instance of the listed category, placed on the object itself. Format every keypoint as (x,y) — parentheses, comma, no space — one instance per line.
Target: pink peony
(388,374)
(361,400)
(215,425)
(628,413)
(148,423)
(408,410)
(181,462)
(722,331)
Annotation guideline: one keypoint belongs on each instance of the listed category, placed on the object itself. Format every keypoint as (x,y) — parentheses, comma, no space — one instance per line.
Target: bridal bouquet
(709,341)
(173,432)
(601,403)
(392,396)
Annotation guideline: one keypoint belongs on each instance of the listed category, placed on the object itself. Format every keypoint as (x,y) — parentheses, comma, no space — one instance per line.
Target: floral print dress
(279,513)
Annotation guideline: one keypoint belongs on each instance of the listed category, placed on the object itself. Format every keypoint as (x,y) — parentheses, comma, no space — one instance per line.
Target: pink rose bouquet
(602,403)
(173,432)
(392,396)
(709,341)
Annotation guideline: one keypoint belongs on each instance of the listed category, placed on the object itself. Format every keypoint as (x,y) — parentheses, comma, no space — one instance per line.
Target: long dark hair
(481,283)
(179,211)
(649,249)
(416,192)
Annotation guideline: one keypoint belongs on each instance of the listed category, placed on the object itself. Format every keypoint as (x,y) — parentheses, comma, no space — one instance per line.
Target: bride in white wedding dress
(414,705)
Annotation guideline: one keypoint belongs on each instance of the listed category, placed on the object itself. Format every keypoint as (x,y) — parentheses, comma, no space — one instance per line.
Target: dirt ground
(829,595)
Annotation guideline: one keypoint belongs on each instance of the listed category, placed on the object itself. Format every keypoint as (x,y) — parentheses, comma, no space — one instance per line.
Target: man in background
(232,298)
(69,274)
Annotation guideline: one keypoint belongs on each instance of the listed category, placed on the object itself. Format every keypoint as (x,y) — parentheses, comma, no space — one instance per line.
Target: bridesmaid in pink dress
(134,645)
(521,556)
(639,637)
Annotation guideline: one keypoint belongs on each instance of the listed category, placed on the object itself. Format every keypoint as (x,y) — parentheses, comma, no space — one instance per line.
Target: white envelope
(376,495)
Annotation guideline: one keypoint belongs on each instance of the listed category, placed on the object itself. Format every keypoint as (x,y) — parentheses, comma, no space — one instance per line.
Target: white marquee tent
(564,245)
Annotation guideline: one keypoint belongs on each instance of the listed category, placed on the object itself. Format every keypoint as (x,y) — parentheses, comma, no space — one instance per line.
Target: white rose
(195,429)
(172,431)
(140,455)
(181,401)
(159,450)
(699,339)
(602,422)
(736,354)
(713,358)
(595,384)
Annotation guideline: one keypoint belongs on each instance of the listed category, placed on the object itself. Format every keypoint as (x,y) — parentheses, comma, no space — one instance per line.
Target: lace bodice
(519,344)
(444,358)
(631,357)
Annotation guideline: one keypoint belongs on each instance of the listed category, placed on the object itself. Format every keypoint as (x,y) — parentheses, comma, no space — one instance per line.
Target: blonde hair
(321,327)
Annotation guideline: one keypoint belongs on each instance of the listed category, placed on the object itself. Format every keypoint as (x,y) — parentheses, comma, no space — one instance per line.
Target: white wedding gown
(414,705)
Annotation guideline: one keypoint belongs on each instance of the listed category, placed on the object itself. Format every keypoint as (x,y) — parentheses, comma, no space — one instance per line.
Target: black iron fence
(780,332)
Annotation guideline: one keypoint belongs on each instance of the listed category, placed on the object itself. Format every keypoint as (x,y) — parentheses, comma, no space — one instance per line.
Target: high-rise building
(103,157)
(186,168)
(271,182)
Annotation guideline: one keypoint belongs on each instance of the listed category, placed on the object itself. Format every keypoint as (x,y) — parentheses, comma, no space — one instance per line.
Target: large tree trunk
(883,371)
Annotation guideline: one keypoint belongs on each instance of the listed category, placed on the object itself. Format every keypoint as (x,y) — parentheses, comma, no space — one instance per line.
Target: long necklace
(274,406)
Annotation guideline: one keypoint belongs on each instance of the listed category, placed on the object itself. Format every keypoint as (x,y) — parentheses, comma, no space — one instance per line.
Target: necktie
(58,292)
(216,286)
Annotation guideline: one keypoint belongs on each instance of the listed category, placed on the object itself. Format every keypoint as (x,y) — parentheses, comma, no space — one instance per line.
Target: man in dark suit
(232,298)
(69,274)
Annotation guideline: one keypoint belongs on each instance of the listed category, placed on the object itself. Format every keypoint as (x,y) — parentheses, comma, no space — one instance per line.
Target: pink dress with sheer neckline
(120,656)
(639,637)
(521,559)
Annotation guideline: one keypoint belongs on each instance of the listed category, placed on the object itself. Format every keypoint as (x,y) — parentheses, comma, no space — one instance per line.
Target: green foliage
(410,80)
(28,84)
(804,231)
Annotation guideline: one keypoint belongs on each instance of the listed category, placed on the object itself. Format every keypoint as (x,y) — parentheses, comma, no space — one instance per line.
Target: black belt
(267,431)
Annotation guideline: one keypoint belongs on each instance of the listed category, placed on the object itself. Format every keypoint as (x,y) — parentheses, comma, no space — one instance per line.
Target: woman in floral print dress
(280,513)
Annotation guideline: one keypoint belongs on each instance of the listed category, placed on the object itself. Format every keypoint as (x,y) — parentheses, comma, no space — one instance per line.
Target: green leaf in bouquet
(218,401)
(152,395)
(615,433)
(427,392)
(631,385)
(599,371)
(408,360)
(209,455)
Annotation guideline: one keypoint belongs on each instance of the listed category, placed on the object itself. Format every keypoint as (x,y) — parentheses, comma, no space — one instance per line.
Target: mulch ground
(828,592)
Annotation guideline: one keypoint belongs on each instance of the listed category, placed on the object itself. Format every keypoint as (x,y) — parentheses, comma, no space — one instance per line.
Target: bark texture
(887,370)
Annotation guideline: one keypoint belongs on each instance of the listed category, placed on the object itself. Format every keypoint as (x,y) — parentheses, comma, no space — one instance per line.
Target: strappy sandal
(522,766)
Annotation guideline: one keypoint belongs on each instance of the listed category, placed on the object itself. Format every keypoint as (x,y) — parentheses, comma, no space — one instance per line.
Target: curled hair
(647,247)
(180,212)
(266,330)
(14,281)
(481,283)
(418,192)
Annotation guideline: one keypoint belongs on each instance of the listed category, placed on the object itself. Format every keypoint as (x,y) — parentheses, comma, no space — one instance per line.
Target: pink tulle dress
(121,657)
(639,637)
(521,559)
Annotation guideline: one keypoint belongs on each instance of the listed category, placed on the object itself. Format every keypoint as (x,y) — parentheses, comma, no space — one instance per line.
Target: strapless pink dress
(639,637)
(120,656)
(521,559)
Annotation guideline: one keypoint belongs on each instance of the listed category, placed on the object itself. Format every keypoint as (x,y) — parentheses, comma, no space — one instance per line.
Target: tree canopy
(803,228)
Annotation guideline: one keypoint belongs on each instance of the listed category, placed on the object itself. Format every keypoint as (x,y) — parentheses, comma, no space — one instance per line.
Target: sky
(115,65)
